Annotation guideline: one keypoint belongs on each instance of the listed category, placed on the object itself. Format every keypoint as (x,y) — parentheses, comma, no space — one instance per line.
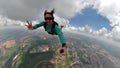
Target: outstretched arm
(38,25)
(30,27)
(60,35)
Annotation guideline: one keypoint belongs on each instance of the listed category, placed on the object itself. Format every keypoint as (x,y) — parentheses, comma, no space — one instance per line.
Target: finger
(26,25)
(28,22)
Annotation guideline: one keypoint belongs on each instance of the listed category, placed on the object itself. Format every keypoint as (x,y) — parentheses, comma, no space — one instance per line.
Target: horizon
(99,18)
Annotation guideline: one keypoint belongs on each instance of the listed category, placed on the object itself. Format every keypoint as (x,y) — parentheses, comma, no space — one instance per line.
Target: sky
(95,17)
(91,18)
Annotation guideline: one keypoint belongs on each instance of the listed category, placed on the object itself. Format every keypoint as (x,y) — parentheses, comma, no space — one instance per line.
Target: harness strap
(52,28)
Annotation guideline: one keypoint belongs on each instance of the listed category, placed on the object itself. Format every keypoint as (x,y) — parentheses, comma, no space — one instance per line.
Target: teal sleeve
(38,25)
(60,34)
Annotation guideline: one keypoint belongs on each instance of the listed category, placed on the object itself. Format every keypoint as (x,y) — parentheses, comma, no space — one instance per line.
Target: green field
(25,60)
(62,60)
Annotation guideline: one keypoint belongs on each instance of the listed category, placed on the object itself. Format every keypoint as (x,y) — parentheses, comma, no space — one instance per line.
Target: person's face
(48,18)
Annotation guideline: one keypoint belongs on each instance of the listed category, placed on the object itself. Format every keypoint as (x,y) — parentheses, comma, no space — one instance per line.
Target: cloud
(86,29)
(102,32)
(30,9)
(22,9)
(69,8)
(18,11)
(111,10)
(116,33)
(4,21)
(61,21)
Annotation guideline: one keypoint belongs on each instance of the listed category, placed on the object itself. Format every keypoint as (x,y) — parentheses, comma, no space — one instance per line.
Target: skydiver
(51,27)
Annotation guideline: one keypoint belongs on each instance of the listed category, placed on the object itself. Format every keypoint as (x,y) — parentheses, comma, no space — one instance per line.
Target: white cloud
(116,33)
(111,10)
(69,8)
(61,21)
(102,32)
(87,29)
(22,9)
(4,21)
(16,11)
(30,9)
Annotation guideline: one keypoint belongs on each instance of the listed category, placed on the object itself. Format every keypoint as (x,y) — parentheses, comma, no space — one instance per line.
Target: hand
(61,27)
(29,25)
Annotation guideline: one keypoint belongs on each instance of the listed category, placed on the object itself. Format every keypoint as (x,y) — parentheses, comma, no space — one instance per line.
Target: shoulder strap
(53,27)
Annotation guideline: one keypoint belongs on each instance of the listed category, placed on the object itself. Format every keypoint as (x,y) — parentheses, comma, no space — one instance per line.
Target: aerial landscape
(23,49)
(60,34)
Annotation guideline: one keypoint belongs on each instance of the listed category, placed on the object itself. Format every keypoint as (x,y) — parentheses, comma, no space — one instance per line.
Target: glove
(64,45)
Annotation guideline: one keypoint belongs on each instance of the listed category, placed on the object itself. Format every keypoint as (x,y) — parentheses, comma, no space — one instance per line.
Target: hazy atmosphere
(68,13)
(91,28)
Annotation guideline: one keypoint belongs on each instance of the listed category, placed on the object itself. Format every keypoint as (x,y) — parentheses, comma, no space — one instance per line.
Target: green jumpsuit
(56,29)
